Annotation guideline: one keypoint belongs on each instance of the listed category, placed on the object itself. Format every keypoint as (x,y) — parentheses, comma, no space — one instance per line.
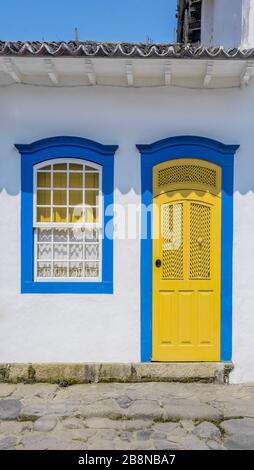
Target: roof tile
(120,50)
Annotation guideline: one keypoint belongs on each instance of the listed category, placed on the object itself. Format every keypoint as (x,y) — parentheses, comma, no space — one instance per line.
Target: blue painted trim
(66,141)
(187,140)
(65,147)
(172,149)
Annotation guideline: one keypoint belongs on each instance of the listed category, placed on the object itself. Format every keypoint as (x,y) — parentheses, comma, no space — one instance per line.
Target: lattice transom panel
(200,241)
(187,174)
(172,245)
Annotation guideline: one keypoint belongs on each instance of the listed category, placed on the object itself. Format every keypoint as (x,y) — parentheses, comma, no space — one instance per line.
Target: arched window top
(70,165)
(67,191)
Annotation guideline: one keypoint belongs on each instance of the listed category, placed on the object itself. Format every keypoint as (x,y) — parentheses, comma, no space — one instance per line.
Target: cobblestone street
(127,416)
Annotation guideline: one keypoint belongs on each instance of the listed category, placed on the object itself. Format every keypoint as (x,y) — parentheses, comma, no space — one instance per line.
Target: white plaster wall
(207,22)
(75,328)
(248,24)
(222,23)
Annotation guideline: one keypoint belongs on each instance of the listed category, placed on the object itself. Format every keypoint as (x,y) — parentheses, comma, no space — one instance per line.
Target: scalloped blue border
(64,147)
(214,152)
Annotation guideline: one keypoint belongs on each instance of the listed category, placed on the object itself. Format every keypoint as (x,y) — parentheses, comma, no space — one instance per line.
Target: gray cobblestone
(144,435)
(9,409)
(7,443)
(144,416)
(207,430)
(45,424)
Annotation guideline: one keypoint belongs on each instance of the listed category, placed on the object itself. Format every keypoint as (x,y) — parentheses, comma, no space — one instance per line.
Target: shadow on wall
(10,179)
(126,176)
(126,158)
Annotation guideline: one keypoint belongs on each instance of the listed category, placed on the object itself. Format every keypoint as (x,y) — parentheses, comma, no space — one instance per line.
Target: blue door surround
(172,149)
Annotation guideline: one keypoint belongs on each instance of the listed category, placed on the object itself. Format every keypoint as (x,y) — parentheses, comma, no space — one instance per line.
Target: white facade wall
(228,23)
(90,328)
(248,19)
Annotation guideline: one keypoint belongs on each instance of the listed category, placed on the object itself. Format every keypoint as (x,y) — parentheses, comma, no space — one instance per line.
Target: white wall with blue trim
(106,328)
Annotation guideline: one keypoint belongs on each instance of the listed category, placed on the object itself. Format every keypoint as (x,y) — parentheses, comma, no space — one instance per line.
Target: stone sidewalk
(127,416)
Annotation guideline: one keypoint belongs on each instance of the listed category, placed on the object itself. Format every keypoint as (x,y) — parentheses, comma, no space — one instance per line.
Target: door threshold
(78,373)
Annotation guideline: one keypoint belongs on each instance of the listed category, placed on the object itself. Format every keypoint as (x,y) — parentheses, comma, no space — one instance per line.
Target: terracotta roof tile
(120,50)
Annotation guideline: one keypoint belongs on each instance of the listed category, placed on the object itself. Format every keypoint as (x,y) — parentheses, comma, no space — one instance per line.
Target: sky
(101,20)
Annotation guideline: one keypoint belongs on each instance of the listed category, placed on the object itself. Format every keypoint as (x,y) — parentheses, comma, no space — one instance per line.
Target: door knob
(158,263)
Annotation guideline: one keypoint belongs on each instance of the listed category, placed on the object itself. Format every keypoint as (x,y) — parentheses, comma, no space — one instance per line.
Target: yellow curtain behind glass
(76,180)
(78,195)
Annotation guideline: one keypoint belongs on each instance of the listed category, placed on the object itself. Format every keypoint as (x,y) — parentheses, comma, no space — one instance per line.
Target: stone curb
(79,373)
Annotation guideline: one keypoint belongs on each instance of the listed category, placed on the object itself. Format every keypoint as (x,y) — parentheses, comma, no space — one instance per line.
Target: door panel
(185,315)
(167,326)
(186,287)
(204,313)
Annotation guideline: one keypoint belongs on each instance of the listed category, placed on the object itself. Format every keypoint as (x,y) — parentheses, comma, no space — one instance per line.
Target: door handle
(158,263)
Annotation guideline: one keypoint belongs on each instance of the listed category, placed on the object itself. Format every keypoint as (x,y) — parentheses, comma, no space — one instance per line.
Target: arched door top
(186,173)
(187,140)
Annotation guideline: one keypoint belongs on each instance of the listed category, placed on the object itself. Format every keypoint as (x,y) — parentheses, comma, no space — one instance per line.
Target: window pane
(92,180)
(60,269)
(91,234)
(76,214)
(59,214)
(76,251)
(76,167)
(76,269)
(75,198)
(91,215)
(90,168)
(92,252)
(43,197)
(44,269)
(43,214)
(76,234)
(60,251)
(44,235)
(59,180)
(60,197)
(43,180)
(44,251)
(60,235)
(60,166)
(46,168)
(91,269)
(76,180)
(91,198)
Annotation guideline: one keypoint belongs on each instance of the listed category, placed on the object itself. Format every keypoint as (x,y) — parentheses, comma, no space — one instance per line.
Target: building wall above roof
(189,21)
(216,22)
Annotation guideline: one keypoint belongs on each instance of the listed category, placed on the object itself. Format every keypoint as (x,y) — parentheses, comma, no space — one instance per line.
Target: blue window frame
(172,149)
(68,148)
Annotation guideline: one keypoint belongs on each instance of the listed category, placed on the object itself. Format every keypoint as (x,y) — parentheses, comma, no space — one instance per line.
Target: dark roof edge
(120,50)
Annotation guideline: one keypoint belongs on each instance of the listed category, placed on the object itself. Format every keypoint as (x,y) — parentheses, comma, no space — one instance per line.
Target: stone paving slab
(127,416)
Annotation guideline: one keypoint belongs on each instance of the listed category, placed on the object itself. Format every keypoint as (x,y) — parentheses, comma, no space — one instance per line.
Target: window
(67,220)
(67,195)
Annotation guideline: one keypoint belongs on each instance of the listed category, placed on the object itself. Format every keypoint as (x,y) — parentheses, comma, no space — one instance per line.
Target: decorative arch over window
(66,236)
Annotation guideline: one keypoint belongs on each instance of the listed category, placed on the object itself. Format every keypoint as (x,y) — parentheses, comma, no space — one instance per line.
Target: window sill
(67,288)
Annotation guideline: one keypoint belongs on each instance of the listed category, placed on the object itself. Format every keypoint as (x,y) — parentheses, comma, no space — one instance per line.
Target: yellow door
(186,261)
